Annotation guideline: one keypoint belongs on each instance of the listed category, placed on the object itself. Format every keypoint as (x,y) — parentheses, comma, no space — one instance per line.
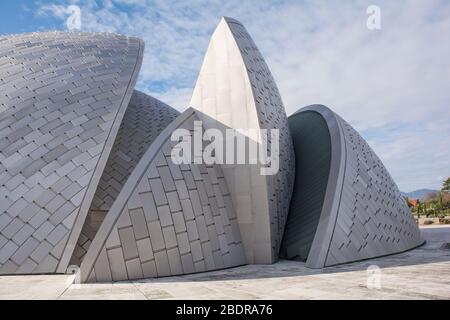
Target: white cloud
(58,11)
(319,52)
(417,156)
(174,97)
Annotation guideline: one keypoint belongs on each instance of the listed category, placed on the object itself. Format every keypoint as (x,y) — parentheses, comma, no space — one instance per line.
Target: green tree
(445,196)
(431,197)
(446,185)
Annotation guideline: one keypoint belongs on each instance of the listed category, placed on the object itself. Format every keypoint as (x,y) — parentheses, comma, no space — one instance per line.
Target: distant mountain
(418,194)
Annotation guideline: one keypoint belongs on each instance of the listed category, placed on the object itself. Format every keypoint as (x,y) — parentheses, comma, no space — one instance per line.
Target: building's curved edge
(262,207)
(240,178)
(113,214)
(328,216)
(90,192)
(191,224)
(143,121)
(74,32)
(324,238)
(45,94)
(412,247)
(402,245)
(281,185)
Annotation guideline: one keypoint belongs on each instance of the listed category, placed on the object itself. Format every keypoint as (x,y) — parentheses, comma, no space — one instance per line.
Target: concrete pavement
(422,273)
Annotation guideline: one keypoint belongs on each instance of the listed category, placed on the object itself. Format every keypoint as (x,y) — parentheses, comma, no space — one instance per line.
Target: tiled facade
(362,214)
(235,78)
(170,220)
(87,178)
(63,98)
(144,120)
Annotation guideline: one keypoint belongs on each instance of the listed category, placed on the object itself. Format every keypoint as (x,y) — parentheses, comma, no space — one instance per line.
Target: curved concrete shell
(87,174)
(167,220)
(345,206)
(63,98)
(235,89)
(144,120)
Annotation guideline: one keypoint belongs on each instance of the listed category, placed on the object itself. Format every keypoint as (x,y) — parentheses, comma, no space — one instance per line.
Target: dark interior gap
(312,147)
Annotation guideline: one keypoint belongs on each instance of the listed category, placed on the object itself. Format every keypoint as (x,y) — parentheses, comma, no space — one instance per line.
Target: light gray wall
(235,89)
(363,213)
(144,120)
(63,98)
(373,218)
(167,220)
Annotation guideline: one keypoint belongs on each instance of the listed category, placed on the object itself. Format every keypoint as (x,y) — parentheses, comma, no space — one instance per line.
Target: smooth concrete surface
(422,273)
(236,90)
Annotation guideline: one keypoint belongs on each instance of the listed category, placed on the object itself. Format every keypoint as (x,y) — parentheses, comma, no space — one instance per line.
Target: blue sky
(391,84)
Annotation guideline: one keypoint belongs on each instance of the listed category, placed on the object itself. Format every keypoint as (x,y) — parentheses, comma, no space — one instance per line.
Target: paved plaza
(422,273)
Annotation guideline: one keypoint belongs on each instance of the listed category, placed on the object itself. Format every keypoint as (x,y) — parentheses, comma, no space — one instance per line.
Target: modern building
(235,89)
(64,96)
(87,177)
(345,206)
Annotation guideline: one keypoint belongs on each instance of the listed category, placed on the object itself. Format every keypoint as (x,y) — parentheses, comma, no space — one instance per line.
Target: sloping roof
(235,89)
(63,98)
(363,213)
(144,120)
(168,220)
